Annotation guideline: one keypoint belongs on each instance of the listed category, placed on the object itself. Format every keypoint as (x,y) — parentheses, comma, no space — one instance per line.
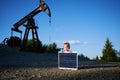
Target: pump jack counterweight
(43,7)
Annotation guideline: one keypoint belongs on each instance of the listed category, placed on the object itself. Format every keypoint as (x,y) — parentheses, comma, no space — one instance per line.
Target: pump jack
(31,25)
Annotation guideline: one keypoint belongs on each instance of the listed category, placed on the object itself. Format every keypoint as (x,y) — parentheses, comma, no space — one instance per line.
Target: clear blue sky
(84,23)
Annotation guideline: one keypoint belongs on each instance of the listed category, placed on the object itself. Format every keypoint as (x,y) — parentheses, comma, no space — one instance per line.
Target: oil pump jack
(43,7)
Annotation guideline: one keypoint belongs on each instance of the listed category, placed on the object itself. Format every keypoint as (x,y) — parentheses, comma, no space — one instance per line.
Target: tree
(118,56)
(118,53)
(109,54)
(14,41)
(97,58)
(82,57)
(30,47)
(52,48)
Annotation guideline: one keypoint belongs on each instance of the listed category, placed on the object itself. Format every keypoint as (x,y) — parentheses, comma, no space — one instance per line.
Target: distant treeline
(43,48)
(108,53)
(15,41)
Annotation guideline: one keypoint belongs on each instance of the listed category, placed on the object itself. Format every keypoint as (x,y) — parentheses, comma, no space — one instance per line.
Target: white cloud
(74,42)
(71,42)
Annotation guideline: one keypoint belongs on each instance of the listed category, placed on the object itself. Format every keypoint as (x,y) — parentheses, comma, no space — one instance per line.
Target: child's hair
(68,45)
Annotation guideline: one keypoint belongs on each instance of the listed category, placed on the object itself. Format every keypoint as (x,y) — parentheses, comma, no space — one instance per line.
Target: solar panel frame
(67,59)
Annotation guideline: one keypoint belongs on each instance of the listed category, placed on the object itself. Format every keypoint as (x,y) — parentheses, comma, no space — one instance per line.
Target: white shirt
(63,51)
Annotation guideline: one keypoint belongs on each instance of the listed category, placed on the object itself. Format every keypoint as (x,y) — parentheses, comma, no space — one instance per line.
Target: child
(66,48)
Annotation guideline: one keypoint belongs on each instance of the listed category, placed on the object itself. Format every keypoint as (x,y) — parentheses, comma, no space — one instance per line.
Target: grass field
(16,65)
(111,73)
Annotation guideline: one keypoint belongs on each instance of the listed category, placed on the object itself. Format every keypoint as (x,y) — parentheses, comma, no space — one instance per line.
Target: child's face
(66,48)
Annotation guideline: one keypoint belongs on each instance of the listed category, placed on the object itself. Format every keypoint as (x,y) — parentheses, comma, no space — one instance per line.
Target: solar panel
(68,61)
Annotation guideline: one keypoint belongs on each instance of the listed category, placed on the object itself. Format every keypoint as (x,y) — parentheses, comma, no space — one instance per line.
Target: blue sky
(84,23)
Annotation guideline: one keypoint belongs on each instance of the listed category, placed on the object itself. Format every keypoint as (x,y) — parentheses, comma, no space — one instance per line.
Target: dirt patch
(112,73)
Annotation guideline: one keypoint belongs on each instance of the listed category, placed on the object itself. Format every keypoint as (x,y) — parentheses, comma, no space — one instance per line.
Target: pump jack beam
(43,7)
(31,24)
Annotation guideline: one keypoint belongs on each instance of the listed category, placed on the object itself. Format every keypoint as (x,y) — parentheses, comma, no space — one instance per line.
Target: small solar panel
(68,61)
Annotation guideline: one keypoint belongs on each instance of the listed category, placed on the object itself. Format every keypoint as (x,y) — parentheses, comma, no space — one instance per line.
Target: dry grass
(28,66)
(112,73)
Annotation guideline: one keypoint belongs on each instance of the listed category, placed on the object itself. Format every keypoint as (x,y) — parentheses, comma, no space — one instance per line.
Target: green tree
(82,57)
(30,47)
(97,58)
(108,53)
(118,56)
(52,48)
(118,53)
